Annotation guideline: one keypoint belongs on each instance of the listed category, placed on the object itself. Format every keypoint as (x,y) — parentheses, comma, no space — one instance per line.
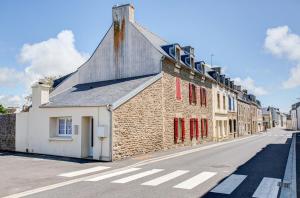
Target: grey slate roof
(154,39)
(97,93)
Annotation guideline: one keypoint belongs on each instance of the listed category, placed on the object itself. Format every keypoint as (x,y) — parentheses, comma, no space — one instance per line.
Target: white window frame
(65,134)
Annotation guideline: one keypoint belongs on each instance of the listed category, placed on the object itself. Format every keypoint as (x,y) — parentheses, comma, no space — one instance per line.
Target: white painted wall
(33,131)
(219,114)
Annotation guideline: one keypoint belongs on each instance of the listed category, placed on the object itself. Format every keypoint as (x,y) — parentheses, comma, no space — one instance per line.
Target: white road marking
(229,184)
(137,176)
(83,172)
(102,177)
(165,178)
(196,180)
(145,162)
(268,188)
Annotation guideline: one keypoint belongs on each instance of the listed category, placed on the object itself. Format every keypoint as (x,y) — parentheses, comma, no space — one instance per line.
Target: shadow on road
(47,157)
(269,162)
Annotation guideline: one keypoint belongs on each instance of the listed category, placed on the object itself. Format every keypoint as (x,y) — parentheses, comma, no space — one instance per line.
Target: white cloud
(53,57)
(9,77)
(281,42)
(10,100)
(249,84)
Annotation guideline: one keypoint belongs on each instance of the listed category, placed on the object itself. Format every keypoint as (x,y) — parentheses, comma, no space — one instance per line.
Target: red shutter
(201,97)
(178,89)
(191,128)
(194,94)
(190,93)
(202,128)
(204,93)
(175,130)
(197,129)
(183,129)
(206,131)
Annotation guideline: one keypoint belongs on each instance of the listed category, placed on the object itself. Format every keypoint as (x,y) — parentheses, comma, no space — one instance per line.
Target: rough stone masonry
(7,132)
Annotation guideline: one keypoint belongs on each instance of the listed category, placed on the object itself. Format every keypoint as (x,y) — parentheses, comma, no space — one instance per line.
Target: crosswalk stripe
(102,177)
(82,172)
(268,188)
(165,178)
(229,184)
(137,176)
(196,180)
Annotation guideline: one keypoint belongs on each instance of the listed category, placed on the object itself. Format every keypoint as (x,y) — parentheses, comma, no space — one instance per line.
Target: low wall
(7,132)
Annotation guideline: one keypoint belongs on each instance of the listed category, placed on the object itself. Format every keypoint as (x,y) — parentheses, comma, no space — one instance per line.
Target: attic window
(188,60)
(172,51)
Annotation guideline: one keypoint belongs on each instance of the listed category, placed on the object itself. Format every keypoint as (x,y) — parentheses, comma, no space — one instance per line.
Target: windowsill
(60,138)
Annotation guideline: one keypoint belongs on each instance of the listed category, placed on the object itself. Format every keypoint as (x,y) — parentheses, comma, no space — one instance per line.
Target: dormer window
(200,67)
(186,58)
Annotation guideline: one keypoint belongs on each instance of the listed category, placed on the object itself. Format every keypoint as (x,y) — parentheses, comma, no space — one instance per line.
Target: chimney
(120,12)
(40,94)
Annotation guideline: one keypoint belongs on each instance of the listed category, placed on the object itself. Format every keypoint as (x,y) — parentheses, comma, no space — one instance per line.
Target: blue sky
(234,31)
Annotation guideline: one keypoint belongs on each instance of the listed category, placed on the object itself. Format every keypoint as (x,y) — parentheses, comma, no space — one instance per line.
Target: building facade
(259,117)
(295,118)
(244,117)
(136,94)
(267,118)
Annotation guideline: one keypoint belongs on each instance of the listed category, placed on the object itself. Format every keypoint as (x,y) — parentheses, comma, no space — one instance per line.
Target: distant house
(295,116)
(267,118)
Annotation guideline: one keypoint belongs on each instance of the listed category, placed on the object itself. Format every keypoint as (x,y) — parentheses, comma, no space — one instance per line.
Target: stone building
(136,94)
(253,113)
(243,115)
(267,118)
(295,116)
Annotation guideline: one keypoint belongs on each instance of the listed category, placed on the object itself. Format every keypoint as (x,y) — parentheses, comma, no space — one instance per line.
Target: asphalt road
(245,167)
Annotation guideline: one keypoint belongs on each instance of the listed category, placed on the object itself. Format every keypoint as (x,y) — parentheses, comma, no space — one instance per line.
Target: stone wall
(182,108)
(7,132)
(138,124)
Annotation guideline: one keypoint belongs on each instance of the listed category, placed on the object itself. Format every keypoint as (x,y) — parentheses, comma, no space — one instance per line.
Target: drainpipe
(109,108)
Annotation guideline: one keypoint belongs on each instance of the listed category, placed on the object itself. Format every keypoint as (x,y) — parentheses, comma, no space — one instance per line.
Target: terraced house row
(136,94)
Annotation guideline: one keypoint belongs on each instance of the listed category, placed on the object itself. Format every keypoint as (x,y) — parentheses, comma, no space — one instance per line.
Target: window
(178,88)
(204,127)
(194,128)
(192,94)
(224,103)
(218,98)
(203,96)
(229,103)
(179,130)
(65,126)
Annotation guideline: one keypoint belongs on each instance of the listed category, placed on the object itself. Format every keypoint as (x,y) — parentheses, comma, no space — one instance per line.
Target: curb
(288,186)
